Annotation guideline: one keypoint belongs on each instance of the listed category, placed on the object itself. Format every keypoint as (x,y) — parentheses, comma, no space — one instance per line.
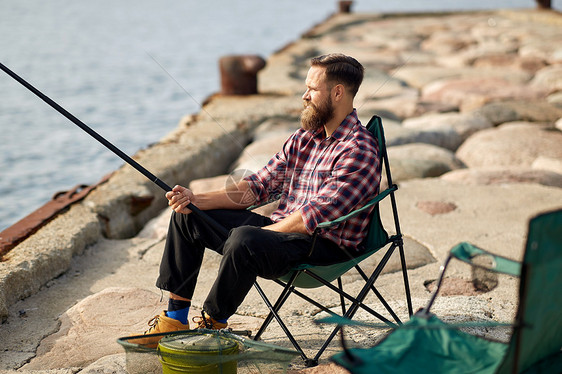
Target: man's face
(317,101)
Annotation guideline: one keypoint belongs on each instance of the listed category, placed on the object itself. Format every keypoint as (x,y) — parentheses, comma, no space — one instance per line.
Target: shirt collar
(347,125)
(341,131)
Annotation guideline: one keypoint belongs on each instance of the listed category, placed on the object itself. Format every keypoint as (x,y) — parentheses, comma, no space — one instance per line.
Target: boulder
(275,127)
(420,76)
(530,64)
(520,110)
(455,128)
(472,93)
(542,48)
(419,160)
(555,99)
(486,176)
(256,155)
(549,78)
(421,151)
(90,329)
(443,43)
(547,163)
(511,145)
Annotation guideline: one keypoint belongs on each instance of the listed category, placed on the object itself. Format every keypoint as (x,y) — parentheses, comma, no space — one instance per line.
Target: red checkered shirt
(325,178)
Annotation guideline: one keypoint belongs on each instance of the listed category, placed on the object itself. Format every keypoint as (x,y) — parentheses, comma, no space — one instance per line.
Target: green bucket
(197,353)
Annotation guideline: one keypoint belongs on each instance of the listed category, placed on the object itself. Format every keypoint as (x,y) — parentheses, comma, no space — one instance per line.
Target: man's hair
(341,69)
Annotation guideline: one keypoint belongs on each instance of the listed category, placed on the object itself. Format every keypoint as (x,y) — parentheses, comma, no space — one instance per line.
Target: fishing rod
(211,222)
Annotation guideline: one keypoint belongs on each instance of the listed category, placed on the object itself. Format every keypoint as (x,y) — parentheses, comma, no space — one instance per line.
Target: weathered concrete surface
(93,268)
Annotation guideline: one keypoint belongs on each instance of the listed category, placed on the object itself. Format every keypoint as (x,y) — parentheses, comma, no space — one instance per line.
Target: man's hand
(179,198)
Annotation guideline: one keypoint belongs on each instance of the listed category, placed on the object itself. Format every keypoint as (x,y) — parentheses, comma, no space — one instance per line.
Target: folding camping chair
(307,276)
(427,345)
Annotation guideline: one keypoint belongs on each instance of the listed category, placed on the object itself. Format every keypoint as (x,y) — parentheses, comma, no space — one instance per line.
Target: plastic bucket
(197,353)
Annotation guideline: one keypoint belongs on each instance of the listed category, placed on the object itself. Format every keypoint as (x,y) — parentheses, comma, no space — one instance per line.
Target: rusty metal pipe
(220,229)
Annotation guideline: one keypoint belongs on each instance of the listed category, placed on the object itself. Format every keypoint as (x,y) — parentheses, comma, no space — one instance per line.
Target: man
(325,170)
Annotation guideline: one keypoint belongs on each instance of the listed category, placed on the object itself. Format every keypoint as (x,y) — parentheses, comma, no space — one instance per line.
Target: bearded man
(326,169)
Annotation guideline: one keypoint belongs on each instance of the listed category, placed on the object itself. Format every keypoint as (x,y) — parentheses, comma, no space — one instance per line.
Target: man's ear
(338,92)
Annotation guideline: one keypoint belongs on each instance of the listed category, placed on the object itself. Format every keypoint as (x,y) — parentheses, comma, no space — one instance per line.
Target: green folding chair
(307,276)
(427,345)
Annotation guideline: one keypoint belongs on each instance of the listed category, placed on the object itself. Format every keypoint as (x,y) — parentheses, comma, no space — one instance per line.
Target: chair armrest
(467,252)
(370,203)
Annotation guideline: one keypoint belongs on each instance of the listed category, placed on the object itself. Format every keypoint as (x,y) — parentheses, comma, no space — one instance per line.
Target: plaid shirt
(325,178)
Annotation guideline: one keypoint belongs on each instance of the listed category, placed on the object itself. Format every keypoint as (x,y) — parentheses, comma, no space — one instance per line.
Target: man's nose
(306,95)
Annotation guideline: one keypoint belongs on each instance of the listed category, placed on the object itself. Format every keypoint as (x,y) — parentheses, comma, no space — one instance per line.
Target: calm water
(109,63)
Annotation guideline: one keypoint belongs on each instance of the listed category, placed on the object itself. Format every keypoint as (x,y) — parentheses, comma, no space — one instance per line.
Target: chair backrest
(377,235)
(538,333)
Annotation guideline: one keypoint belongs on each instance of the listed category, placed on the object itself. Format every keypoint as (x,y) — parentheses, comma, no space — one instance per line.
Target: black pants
(248,252)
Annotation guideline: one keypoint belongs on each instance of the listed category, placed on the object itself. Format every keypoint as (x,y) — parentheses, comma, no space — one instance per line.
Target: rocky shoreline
(472,109)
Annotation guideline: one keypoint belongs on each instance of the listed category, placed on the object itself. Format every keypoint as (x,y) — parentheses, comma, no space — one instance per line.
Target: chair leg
(378,295)
(342,300)
(273,313)
(272,309)
(405,276)
(359,300)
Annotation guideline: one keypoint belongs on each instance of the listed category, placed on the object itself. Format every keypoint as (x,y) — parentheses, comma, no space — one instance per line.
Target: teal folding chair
(425,344)
(306,276)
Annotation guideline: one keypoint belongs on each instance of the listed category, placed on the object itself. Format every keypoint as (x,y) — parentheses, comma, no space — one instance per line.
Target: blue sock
(178,310)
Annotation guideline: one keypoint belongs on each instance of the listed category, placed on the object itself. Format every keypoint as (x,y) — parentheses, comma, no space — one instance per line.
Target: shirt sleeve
(354,179)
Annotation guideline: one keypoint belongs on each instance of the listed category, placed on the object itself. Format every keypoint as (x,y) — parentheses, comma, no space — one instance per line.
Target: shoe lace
(203,322)
(152,323)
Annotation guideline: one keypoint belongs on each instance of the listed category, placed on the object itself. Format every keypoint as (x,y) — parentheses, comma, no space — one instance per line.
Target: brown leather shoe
(160,324)
(205,321)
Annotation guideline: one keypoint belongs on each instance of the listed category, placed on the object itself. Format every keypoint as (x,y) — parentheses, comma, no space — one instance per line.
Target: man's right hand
(179,198)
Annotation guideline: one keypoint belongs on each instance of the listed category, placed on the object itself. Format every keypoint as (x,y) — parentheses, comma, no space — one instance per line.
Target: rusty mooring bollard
(239,74)
(544,4)
(345,6)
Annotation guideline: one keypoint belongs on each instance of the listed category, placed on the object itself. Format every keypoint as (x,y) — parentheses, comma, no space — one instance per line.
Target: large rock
(511,145)
(471,93)
(420,76)
(90,329)
(527,63)
(503,175)
(520,110)
(454,128)
(275,127)
(549,78)
(405,105)
(420,160)
(256,155)
(549,164)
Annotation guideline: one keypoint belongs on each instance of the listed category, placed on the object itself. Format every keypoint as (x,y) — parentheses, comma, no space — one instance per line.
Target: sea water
(129,69)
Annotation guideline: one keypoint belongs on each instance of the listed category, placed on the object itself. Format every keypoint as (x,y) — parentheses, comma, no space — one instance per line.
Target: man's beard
(315,117)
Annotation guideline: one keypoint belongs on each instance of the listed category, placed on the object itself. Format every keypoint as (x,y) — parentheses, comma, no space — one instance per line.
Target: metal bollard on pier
(239,74)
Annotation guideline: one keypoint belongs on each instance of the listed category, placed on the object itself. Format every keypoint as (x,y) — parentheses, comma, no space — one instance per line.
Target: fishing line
(233,138)
(386,81)
(211,222)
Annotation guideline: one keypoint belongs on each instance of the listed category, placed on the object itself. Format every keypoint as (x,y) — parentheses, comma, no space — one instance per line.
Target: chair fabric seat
(328,272)
(436,348)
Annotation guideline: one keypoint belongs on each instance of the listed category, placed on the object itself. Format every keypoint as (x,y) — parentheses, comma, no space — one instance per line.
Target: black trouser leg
(188,236)
(248,252)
